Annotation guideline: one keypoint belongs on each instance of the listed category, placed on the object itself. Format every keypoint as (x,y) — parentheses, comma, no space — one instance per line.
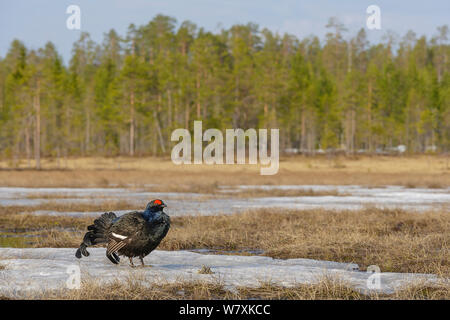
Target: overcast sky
(36,22)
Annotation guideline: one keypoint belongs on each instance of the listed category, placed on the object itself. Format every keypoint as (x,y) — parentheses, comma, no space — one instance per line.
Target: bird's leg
(143,264)
(131,261)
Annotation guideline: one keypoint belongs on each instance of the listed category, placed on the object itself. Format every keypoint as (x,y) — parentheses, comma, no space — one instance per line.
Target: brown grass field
(395,240)
(325,289)
(413,171)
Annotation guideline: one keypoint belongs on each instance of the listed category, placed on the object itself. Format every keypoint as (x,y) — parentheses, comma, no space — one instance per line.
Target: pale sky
(38,21)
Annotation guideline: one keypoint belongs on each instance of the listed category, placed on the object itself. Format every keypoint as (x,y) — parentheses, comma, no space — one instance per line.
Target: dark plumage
(134,234)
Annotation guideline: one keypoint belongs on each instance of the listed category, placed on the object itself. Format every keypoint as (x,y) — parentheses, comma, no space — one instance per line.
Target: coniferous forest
(126,95)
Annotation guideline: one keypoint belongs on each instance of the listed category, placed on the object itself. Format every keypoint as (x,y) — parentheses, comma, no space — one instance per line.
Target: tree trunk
(37,136)
(169,108)
(198,96)
(158,128)
(132,124)
(353,133)
(349,57)
(303,132)
(347,127)
(27,141)
(88,131)
(266,114)
(369,117)
(186,116)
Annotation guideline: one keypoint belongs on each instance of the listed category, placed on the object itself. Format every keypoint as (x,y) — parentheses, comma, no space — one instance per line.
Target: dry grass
(209,190)
(135,289)
(10,219)
(205,270)
(102,206)
(326,288)
(256,193)
(395,240)
(418,163)
(217,192)
(336,289)
(421,292)
(38,195)
(427,171)
(59,232)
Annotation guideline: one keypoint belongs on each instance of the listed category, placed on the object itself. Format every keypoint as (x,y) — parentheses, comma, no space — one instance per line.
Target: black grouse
(133,234)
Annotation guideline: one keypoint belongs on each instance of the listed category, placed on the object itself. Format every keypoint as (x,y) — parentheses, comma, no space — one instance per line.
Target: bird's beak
(163,205)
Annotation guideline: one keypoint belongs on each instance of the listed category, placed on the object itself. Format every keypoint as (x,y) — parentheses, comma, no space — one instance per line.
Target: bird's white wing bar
(117,242)
(114,246)
(118,236)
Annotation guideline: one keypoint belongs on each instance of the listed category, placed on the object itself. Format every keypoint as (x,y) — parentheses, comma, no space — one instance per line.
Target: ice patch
(353,198)
(29,270)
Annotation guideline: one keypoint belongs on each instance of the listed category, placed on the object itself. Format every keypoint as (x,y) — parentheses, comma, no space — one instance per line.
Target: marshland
(392,212)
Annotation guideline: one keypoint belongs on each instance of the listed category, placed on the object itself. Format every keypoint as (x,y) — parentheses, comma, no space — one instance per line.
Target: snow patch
(353,197)
(33,269)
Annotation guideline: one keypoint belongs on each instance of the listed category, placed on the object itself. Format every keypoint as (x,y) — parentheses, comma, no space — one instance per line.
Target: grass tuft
(326,288)
(205,270)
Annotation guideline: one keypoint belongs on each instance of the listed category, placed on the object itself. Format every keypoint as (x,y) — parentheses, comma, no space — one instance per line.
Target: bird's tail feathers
(97,233)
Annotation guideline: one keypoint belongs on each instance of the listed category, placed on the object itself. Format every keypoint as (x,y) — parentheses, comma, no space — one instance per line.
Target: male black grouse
(134,234)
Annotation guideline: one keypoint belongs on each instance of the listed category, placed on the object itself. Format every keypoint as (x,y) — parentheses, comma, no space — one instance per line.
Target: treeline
(126,95)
